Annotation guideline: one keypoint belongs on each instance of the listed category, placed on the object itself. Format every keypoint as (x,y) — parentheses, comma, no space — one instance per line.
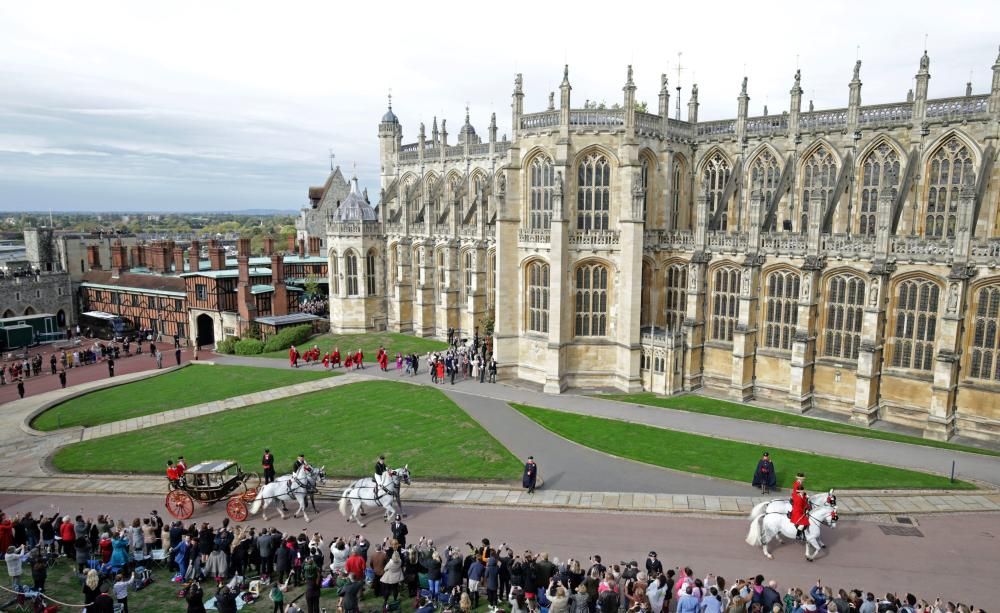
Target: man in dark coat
(267,463)
(764,476)
(399,531)
(530,475)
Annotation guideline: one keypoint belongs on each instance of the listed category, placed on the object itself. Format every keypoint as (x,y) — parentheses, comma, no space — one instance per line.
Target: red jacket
(355,565)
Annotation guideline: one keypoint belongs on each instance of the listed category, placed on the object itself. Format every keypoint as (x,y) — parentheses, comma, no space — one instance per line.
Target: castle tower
(389,134)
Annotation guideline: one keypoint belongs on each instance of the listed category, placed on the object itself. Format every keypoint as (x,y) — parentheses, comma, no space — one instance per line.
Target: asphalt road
(955,559)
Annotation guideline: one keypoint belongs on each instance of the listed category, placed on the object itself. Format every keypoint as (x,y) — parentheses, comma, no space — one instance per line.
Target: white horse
(766,527)
(784,506)
(370,492)
(296,486)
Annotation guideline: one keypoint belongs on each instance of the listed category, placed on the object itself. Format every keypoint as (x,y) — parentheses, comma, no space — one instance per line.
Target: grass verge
(344,428)
(369,344)
(722,408)
(725,459)
(193,384)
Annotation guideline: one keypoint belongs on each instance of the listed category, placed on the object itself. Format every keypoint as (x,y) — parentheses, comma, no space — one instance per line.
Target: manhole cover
(901,531)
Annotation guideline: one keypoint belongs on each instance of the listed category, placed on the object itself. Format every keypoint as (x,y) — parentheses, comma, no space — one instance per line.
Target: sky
(224,105)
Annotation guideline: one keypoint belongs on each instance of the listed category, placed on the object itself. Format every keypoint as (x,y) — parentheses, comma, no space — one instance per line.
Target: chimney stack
(291,244)
(314,248)
(119,258)
(268,245)
(216,255)
(94,257)
(178,257)
(302,247)
(194,256)
(135,254)
(279,300)
(247,303)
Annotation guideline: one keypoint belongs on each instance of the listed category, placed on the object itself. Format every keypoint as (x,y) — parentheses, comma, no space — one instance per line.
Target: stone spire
(434,131)
(664,96)
(742,108)
(516,106)
(795,107)
(920,100)
(854,101)
(629,100)
(693,105)
(564,90)
(995,88)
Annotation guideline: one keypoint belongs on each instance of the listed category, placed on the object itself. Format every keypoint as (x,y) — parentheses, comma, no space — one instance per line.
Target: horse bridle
(828,521)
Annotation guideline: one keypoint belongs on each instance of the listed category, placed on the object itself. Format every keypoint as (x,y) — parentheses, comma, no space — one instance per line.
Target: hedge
(295,335)
(228,345)
(249,346)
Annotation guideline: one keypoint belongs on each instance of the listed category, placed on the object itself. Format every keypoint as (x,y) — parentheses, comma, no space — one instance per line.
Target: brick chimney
(135,255)
(194,256)
(268,245)
(291,244)
(216,255)
(279,300)
(314,246)
(94,257)
(154,256)
(119,258)
(247,303)
(302,247)
(178,257)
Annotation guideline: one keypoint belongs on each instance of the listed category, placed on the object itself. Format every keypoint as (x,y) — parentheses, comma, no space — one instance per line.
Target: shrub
(249,346)
(228,345)
(295,335)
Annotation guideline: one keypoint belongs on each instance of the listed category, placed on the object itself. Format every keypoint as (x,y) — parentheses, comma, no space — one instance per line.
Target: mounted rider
(800,507)
(382,482)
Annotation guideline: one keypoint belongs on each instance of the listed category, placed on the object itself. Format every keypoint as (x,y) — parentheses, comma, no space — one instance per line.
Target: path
(929,459)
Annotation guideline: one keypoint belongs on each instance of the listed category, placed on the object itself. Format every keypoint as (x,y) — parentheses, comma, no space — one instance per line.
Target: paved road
(956,558)
(74,376)
(929,459)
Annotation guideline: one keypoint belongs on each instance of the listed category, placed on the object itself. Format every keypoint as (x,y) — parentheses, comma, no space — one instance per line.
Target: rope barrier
(43,596)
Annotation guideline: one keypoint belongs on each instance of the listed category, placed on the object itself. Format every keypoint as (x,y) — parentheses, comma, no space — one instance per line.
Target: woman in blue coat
(120,557)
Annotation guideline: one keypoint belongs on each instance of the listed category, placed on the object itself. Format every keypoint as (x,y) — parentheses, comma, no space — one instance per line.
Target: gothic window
(675,194)
(844,310)
(593,205)
(912,340)
(950,167)
(819,174)
(440,274)
(879,168)
(781,313)
(765,172)
(542,178)
(394,256)
(644,185)
(675,305)
(591,300)
(538,297)
(370,273)
(467,272)
(715,176)
(351,264)
(491,274)
(985,349)
(645,295)
(725,303)
(416,265)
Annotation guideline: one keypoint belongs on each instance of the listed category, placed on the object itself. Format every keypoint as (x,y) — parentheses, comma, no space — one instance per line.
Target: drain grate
(904,520)
(901,531)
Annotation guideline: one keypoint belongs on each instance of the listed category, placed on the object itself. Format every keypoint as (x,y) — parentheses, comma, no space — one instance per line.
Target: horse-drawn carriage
(209,483)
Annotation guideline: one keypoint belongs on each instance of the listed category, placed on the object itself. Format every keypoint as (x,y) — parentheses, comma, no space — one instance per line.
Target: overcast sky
(194,106)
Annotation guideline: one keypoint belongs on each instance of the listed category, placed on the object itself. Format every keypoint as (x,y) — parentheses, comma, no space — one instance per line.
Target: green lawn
(702,404)
(193,384)
(369,344)
(725,459)
(344,428)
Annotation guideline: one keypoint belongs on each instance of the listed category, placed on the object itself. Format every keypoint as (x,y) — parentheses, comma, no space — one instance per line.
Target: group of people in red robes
(382,357)
(311,355)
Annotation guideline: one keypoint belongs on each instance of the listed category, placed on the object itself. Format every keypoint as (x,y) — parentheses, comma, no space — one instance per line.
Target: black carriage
(209,483)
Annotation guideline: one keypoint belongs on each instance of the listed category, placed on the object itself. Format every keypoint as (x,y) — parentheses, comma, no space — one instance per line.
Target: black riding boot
(800,534)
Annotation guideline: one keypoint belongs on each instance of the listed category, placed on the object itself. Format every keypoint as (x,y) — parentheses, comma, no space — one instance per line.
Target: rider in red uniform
(800,506)
(172,475)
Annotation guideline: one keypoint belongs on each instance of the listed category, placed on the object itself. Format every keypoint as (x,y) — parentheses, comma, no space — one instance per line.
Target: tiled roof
(126,280)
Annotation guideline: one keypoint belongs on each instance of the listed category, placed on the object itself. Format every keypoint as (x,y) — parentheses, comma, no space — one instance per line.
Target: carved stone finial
(663,83)
(743,88)
(552,101)
(925,62)
(811,106)
(518,82)
(629,80)
(798,76)
(765,110)
(565,81)
(857,70)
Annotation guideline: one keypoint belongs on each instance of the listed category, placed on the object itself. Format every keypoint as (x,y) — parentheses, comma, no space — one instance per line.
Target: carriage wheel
(249,495)
(236,508)
(180,504)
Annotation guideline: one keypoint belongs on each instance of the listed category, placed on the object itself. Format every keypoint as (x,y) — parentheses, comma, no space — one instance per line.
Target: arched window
(467,271)
(440,275)
(334,274)
(844,310)
(591,300)
(985,349)
(879,168)
(538,297)
(417,266)
(781,311)
(725,303)
(491,275)
(764,171)
(395,253)
(593,204)
(715,176)
(675,193)
(644,185)
(676,296)
(950,167)
(542,178)
(370,273)
(645,316)
(351,263)
(819,174)
(912,339)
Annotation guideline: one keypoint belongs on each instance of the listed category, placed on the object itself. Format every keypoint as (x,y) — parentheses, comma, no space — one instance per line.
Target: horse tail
(255,505)
(753,536)
(343,503)
(758,510)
